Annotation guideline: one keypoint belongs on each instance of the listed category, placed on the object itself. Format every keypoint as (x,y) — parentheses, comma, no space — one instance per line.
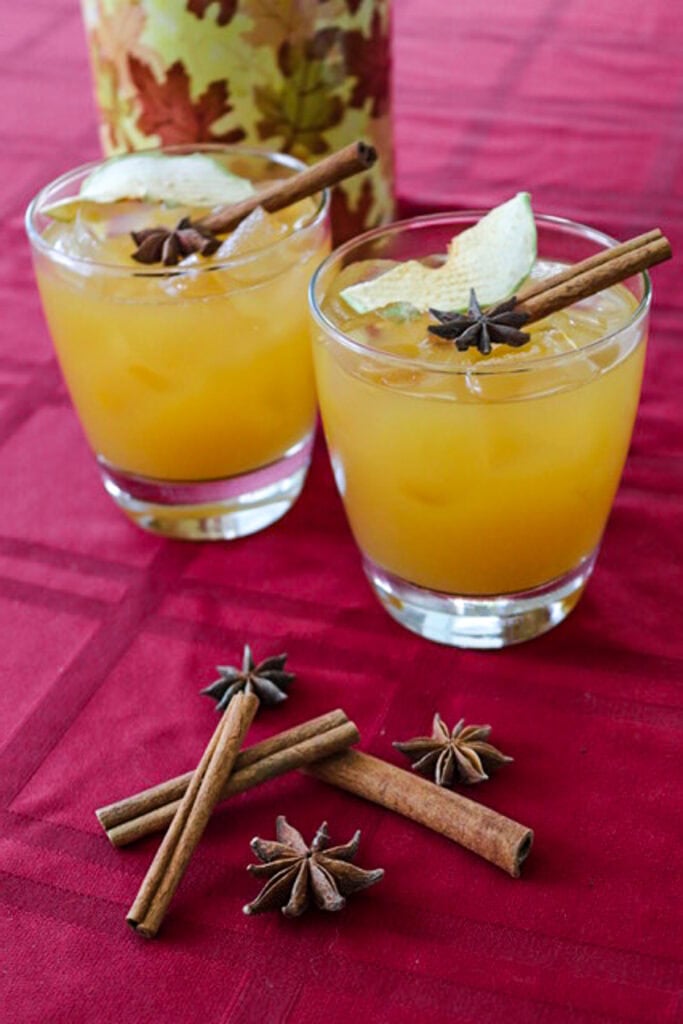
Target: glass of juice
(193,382)
(477,486)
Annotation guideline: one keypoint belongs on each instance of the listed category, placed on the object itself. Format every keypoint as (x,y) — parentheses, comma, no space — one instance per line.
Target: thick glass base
(212,509)
(483,623)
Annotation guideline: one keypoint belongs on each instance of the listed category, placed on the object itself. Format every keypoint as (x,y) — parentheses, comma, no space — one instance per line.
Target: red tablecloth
(106,634)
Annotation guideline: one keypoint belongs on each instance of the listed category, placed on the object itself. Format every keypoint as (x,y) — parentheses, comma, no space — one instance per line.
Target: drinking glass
(193,383)
(477,493)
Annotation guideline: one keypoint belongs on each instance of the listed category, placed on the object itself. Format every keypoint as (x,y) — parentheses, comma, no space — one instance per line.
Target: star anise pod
(461,755)
(169,245)
(482,328)
(268,680)
(296,872)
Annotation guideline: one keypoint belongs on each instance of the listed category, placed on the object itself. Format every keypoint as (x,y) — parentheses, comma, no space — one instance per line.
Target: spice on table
(192,817)
(459,755)
(493,836)
(296,872)
(499,840)
(268,680)
(152,810)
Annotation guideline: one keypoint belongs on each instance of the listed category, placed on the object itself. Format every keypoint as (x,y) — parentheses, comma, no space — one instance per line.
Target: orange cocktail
(193,383)
(477,487)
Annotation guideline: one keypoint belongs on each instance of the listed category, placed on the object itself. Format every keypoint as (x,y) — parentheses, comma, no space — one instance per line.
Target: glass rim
(425,220)
(115,269)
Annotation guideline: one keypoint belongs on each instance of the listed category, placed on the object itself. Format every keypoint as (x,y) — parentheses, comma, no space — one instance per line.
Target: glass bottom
(483,623)
(212,509)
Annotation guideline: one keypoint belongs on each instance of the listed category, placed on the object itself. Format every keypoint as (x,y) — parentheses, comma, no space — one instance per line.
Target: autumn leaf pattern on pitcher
(301,76)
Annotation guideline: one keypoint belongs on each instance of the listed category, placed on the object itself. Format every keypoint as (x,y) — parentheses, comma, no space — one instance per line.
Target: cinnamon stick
(357,156)
(592,275)
(494,837)
(173,789)
(311,748)
(596,260)
(192,816)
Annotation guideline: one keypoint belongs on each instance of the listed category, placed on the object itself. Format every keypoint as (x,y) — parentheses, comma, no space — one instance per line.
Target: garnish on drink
(494,257)
(481,329)
(486,265)
(197,180)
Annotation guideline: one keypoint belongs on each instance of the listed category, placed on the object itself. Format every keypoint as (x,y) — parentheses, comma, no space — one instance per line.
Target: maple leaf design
(167,109)
(277,21)
(117,36)
(226,9)
(369,61)
(305,106)
(350,222)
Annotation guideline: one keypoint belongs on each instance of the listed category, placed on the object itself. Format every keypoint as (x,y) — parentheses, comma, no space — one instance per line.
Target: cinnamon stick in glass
(533,288)
(152,809)
(346,162)
(494,837)
(592,275)
(192,816)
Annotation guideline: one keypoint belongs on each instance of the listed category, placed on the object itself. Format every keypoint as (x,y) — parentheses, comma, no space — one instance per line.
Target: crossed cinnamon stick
(152,809)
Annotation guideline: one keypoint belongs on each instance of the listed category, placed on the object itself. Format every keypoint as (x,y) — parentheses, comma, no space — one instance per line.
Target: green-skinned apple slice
(193,180)
(493,257)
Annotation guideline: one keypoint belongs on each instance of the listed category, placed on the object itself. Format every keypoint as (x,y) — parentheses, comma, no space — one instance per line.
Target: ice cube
(81,239)
(257,231)
(194,278)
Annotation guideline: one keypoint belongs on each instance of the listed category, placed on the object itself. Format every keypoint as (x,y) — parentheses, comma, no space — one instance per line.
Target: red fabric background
(106,634)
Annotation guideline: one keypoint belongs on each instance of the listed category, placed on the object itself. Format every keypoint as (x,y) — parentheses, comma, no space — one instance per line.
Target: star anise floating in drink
(170,245)
(298,873)
(461,754)
(480,328)
(268,680)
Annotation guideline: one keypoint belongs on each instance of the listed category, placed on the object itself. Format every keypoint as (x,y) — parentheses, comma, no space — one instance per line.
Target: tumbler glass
(477,492)
(193,383)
